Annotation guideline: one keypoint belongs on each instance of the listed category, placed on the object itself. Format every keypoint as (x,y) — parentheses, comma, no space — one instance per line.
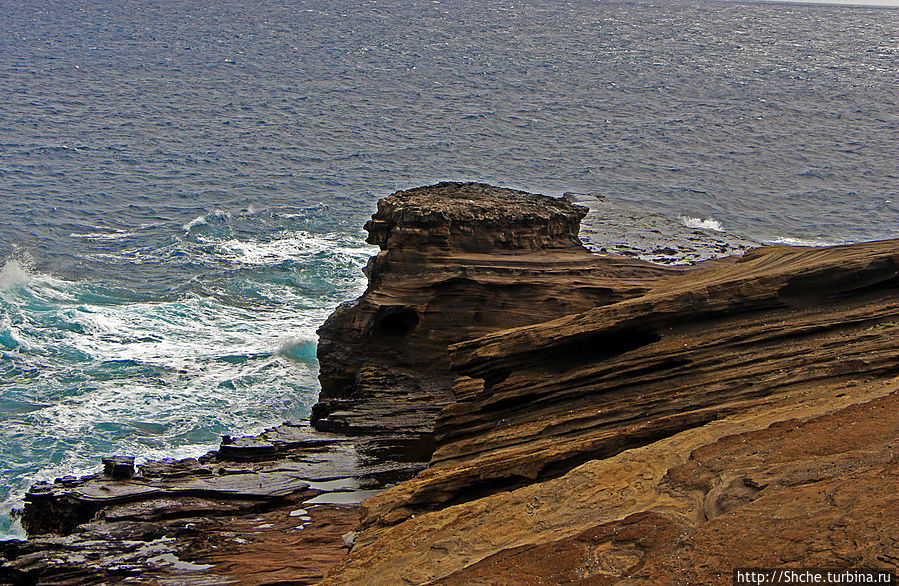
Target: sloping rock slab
(543,399)
(807,479)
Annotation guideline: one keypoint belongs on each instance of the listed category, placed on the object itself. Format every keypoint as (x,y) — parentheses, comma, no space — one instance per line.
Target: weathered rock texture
(807,480)
(735,416)
(237,515)
(457,261)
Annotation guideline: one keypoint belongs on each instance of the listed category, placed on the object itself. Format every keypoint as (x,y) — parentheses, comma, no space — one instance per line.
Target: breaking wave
(89,369)
(702,224)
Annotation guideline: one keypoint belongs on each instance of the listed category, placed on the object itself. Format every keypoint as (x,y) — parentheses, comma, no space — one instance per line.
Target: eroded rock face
(236,515)
(588,419)
(806,478)
(807,481)
(457,261)
(542,399)
(742,414)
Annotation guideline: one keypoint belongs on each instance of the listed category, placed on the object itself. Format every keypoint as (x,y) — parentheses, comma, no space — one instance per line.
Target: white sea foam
(163,378)
(103,236)
(14,274)
(702,224)
(193,368)
(268,253)
(19,281)
(198,221)
(790,241)
(196,356)
(291,246)
(185,335)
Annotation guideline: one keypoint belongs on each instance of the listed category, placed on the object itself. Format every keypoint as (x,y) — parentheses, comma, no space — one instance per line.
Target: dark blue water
(182,185)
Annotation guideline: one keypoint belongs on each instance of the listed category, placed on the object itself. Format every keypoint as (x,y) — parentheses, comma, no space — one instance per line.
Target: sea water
(182,185)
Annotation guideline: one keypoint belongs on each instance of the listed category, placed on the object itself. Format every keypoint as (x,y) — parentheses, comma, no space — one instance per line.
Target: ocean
(183,185)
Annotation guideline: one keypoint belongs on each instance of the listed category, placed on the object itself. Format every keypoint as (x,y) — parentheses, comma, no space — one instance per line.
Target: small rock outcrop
(234,515)
(457,261)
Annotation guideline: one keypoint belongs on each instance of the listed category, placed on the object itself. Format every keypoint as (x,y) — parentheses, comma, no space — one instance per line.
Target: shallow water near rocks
(341,497)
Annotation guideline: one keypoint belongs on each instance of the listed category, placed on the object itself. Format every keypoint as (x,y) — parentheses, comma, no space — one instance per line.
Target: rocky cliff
(741,415)
(571,417)
(457,261)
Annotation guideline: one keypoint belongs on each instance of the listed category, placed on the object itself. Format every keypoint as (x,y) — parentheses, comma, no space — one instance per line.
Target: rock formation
(741,415)
(585,418)
(457,261)
(238,513)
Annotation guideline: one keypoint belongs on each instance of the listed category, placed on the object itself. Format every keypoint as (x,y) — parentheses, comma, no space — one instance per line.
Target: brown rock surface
(740,415)
(277,548)
(664,427)
(806,479)
(803,493)
(695,348)
(457,261)
(238,515)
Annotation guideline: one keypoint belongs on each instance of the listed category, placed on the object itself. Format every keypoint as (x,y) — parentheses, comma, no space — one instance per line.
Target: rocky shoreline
(510,406)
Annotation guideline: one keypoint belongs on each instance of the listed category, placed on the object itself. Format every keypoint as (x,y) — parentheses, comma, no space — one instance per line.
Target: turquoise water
(90,369)
(182,186)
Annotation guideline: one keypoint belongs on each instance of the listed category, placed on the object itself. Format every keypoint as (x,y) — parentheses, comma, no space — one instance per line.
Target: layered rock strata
(542,399)
(457,261)
(807,480)
(237,514)
(740,415)
(588,419)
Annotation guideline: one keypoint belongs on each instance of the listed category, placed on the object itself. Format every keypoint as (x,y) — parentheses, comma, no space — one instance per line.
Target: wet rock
(118,467)
(178,521)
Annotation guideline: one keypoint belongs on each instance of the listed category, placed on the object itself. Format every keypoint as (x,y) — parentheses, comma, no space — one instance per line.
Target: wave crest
(300,349)
(702,224)
(14,274)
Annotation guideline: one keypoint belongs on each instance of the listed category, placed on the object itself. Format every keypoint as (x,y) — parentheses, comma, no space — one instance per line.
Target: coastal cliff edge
(504,406)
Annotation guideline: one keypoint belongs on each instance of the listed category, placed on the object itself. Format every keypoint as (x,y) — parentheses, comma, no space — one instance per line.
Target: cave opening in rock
(396,322)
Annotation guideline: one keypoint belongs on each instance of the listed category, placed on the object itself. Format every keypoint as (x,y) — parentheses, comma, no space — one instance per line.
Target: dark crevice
(395,322)
(583,350)
(841,283)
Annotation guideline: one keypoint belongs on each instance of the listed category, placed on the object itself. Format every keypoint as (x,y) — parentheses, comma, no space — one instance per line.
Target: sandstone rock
(806,479)
(457,260)
(588,419)
(740,415)
(694,349)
